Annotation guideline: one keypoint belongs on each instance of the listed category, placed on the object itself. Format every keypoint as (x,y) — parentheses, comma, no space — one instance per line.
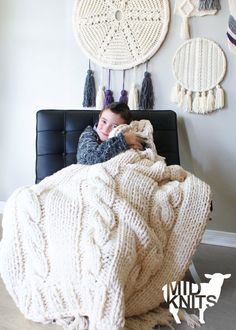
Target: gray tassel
(89,90)
(209,5)
(146,96)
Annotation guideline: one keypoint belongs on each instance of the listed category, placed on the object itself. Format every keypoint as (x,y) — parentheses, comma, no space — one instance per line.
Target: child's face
(107,121)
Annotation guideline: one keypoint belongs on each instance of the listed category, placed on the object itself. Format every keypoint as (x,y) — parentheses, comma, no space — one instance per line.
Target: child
(94,145)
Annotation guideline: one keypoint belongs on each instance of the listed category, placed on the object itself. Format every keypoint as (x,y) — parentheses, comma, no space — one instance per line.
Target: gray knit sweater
(92,150)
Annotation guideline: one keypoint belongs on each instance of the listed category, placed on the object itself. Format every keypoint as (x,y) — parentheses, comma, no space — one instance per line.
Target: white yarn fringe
(184,30)
(202,102)
(100,98)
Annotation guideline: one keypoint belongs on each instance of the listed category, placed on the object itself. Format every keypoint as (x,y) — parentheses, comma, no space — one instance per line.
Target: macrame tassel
(196,103)
(133,97)
(108,93)
(124,96)
(219,97)
(100,98)
(89,90)
(188,101)
(146,101)
(181,97)
(124,93)
(210,101)
(209,5)
(203,103)
(184,31)
(175,93)
(108,97)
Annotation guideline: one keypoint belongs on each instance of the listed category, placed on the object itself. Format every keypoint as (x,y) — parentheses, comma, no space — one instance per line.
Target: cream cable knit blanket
(90,247)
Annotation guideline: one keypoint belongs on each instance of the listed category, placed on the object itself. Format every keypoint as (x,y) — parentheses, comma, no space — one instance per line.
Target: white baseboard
(221,238)
(212,237)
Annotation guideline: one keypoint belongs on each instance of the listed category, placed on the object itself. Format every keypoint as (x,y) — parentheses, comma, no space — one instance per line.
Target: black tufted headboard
(58,131)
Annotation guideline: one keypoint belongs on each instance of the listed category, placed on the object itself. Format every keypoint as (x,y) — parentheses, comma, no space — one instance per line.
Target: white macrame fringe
(185,29)
(201,102)
(100,98)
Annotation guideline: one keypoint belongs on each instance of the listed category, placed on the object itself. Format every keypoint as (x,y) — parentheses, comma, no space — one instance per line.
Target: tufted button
(63,132)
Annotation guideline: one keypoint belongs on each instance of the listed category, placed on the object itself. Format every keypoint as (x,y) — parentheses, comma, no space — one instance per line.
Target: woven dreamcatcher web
(120,34)
(199,65)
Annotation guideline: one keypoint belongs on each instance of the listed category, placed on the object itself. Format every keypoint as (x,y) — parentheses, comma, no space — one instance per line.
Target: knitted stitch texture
(92,246)
(120,34)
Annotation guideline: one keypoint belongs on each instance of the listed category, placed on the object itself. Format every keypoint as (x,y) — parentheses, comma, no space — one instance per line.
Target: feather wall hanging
(190,8)
(199,65)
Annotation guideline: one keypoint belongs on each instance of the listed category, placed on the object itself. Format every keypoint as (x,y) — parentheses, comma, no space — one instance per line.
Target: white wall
(42,67)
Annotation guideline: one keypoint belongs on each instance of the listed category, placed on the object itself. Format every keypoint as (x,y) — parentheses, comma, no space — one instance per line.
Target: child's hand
(134,141)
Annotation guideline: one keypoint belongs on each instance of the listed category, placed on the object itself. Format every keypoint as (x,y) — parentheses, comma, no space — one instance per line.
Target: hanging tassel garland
(89,90)
(209,5)
(100,98)
(146,101)
(108,93)
(184,29)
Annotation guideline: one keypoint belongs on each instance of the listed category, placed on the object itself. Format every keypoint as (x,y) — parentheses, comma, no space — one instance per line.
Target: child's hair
(120,108)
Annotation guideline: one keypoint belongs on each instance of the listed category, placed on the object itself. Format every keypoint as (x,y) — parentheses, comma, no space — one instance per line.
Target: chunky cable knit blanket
(91,247)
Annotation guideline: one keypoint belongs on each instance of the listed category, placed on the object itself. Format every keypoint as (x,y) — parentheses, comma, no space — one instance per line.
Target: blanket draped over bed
(91,247)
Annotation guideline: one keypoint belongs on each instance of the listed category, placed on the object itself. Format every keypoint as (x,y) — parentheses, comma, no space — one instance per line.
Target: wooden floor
(209,259)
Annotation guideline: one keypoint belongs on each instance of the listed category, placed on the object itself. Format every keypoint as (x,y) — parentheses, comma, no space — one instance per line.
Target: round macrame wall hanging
(120,34)
(199,65)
